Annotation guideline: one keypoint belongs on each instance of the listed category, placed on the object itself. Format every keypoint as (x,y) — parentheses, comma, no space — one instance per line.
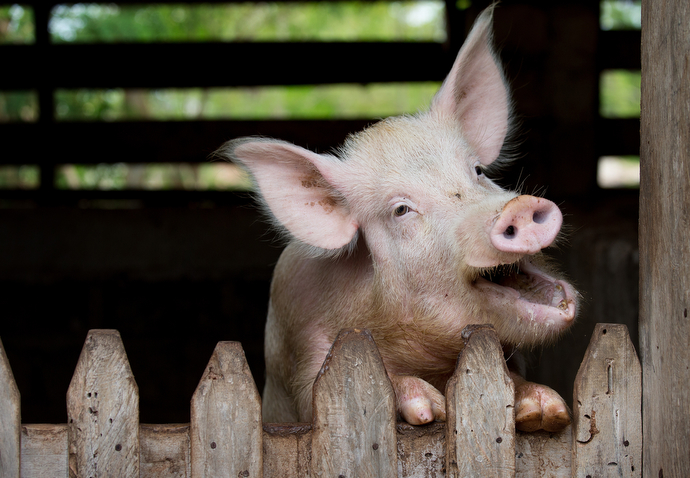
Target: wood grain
(354,412)
(607,421)
(44,451)
(103,410)
(663,236)
(480,433)
(226,429)
(10,420)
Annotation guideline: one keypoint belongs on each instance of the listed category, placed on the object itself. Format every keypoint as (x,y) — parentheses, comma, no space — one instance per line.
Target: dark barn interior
(177,271)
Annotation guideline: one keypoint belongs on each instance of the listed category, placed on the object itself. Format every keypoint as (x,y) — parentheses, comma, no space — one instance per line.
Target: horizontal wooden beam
(195,141)
(619,50)
(164,141)
(181,65)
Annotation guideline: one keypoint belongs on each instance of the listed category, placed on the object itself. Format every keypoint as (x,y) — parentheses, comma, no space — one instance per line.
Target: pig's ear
(295,188)
(476,93)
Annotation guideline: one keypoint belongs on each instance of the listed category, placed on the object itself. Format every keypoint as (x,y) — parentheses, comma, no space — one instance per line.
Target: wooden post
(480,409)
(663,237)
(226,432)
(607,422)
(10,420)
(354,412)
(103,410)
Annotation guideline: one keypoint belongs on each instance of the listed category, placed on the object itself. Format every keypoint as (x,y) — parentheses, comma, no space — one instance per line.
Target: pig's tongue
(535,289)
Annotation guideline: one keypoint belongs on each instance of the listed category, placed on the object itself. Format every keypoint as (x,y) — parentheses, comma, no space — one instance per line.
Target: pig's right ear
(475,93)
(295,186)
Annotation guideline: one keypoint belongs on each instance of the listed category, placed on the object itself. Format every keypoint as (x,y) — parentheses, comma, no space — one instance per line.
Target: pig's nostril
(510,232)
(539,217)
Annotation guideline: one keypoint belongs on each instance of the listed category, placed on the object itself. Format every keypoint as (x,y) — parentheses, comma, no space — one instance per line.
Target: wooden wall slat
(663,236)
(480,409)
(354,412)
(226,430)
(103,410)
(607,402)
(10,420)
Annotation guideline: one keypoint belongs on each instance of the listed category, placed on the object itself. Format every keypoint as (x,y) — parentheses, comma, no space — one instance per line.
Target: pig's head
(444,240)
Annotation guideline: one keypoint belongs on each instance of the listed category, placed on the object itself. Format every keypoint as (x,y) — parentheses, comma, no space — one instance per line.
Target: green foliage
(620,94)
(621,14)
(280,102)
(315,21)
(18,106)
(214,176)
(16,24)
(25,176)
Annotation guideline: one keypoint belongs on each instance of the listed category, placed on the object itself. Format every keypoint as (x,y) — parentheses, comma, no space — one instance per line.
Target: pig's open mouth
(541,297)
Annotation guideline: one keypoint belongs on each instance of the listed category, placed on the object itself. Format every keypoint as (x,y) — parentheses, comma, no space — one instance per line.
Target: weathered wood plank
(103,410)
(354,412)
(226,431)
(44,451)
(10,420)
(480,409)
(287,450)
(663,236)
(421,450)
(543,454)
(607,422)
(164,451)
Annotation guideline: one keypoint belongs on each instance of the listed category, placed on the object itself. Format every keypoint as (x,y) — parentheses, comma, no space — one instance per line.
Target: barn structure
(178,271)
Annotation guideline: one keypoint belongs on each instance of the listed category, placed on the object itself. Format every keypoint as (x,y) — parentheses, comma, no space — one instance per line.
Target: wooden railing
(354,432)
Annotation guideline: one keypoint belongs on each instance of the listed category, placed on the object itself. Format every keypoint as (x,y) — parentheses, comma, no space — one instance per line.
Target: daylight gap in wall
(619,96)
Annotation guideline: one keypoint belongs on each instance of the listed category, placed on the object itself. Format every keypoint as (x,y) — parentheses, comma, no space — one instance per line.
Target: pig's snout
(527,225)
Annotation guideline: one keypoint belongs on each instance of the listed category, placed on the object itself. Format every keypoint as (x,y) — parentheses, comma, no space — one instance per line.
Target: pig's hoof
(538,407)
(418,402)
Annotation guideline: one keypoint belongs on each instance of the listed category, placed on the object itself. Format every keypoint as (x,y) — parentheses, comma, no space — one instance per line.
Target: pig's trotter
(417,401)
(538,407)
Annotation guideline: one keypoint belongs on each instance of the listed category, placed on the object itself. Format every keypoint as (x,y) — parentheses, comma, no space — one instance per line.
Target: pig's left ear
(475,92)
(296,187)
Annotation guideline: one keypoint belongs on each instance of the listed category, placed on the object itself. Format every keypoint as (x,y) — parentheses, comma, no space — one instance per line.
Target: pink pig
(403,234)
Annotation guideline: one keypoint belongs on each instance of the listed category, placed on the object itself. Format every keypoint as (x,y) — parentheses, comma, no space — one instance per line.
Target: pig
(401,232)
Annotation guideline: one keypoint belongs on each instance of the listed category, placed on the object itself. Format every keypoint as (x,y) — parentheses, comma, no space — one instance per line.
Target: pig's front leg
(538,407)
(417,401)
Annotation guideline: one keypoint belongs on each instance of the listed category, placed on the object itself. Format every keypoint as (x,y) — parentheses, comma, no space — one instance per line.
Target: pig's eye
(478,169)
(401,210)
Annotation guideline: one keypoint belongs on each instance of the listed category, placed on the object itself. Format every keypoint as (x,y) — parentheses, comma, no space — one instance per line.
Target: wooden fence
(354,431)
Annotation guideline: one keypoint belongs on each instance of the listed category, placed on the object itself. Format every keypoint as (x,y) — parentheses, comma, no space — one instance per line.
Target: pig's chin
(536,297)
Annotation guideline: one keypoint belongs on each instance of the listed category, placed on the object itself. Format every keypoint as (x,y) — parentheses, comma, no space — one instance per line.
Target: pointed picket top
(10,420)
(480,399)
(354,418)
(103,410)
(226,428)
(607,425)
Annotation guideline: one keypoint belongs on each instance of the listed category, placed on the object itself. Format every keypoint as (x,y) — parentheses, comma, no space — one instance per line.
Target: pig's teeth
(563,305)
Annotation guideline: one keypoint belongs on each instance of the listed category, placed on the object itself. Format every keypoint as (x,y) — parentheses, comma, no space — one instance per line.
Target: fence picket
(353,431)
(226,431)
(480,433)
(353,425)
(10,420)
(103,410)
(607,425)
